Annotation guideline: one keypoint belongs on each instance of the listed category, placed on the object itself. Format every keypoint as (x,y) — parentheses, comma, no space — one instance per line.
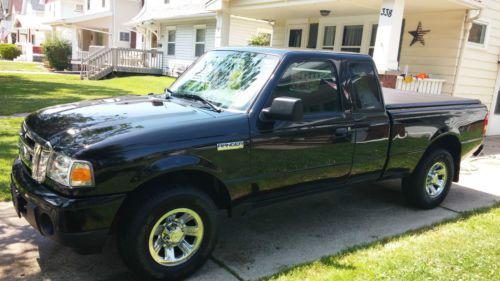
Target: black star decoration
(418,35)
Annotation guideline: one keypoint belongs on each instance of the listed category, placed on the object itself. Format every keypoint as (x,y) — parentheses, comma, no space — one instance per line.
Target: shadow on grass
(19,94)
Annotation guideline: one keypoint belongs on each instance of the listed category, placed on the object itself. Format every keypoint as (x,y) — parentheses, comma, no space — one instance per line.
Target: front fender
(173,164)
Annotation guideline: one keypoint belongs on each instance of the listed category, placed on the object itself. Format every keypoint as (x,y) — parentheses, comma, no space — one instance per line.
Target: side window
(365,89)
(315,82)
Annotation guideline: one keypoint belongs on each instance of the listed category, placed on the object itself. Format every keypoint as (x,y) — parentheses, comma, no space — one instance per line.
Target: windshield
(228,79)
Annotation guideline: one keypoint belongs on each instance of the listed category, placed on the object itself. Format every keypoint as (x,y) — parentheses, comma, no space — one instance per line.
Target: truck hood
(81,124)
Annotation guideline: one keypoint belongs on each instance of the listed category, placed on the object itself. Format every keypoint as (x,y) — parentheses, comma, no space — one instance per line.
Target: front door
(494,120)
(320,147)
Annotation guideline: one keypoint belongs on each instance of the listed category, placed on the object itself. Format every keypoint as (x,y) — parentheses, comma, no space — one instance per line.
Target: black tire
(414,186)
(141,216)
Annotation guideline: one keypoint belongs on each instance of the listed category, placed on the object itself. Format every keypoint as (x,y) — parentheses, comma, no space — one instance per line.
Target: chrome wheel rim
(436,179)
(176,237)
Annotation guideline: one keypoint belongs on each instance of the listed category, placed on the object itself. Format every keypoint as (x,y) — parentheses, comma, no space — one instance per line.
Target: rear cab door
(371,123)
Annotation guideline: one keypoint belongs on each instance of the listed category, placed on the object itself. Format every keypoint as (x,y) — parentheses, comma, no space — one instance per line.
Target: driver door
(320,146)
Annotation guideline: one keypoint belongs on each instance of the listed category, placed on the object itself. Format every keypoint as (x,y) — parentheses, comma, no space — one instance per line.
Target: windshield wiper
(198,98)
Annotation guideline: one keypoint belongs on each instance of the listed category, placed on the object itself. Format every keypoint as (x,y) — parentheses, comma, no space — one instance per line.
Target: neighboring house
(184,30)
(26,29)
(95,24)
(59,9)
(456,42)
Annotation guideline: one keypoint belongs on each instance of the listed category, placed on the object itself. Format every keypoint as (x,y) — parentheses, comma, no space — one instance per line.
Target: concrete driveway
(269,239)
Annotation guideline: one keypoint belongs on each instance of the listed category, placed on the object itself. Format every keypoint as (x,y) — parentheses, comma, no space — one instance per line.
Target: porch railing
(425,86)
(105,61)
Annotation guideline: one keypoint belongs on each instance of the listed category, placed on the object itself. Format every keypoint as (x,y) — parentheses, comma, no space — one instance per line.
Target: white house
(22,25)
(94,23)
(184,30)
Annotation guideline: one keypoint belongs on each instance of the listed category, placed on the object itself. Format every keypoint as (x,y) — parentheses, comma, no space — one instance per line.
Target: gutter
(467,26)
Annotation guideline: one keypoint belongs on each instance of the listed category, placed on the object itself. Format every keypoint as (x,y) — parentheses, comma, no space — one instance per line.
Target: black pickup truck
(241,128)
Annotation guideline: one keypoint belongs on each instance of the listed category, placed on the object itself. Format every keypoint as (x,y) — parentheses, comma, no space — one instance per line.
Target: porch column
(388,35)
(223,19)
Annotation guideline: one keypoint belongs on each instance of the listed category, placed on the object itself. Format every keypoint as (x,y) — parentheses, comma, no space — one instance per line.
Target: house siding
(241,30)
(184,43)
(439,57)
(479,70)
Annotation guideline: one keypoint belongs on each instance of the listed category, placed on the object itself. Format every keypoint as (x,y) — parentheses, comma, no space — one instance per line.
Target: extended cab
(241,128)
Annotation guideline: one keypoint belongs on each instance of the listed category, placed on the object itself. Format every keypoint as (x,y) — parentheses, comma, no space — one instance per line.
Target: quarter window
(365,87)
(351,40)
(171,42)
(314,82)
(199,44)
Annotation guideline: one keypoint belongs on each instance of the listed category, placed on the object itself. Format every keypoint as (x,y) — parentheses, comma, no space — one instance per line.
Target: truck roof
(291,51)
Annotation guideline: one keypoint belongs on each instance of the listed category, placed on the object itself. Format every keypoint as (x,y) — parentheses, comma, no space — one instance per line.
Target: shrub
(261,39)
(9,51)
(57,52)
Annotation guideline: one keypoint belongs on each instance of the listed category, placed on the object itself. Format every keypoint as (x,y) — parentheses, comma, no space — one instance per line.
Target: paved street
(269,239)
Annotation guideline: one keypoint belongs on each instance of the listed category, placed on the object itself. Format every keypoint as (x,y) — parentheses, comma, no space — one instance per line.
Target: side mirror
(284,108)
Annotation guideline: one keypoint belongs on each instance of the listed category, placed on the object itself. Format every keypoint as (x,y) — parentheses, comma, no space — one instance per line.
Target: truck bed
(398,99)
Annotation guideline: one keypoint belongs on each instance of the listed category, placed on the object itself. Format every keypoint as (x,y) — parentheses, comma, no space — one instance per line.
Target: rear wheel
(169,235)
(429,184)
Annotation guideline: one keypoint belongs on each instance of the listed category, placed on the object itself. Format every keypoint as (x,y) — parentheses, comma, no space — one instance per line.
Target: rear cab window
(365,90)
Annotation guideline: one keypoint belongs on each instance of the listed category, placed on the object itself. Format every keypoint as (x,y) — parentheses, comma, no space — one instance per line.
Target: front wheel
(169,235)
(429,184)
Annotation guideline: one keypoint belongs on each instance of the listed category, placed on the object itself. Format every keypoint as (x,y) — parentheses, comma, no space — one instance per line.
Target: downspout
(467,26)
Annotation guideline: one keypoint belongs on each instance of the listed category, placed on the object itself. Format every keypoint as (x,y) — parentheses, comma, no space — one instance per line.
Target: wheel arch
(451,143)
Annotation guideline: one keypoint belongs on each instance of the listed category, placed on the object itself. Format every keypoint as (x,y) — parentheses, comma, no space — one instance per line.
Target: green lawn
(9,127)
(20,93)
(21,66)
(464,249)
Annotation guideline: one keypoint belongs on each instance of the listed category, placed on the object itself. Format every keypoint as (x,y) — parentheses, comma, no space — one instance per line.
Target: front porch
(379,28)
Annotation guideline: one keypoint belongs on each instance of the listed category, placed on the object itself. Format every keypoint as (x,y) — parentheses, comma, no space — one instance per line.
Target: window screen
(314,82)
(365,88)
(477,33)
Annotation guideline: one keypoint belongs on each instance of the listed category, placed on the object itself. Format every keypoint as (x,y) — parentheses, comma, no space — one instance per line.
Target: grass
(21,66)
(467,248)
(20,93)
(9,128)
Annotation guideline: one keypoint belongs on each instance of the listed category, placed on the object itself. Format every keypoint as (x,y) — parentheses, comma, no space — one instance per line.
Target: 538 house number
(386,12)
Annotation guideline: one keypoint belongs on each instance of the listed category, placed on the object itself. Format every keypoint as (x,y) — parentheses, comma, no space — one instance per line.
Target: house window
(199,44)
(351,41)
(477,33)
(313,36)
(166,1)
(171,43)
(373,38)
(124,36)
(295,38)
(329,37)
(103,3)
(78,8)
(88,4)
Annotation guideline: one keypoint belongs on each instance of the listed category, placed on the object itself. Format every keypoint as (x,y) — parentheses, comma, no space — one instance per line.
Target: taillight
(485,126)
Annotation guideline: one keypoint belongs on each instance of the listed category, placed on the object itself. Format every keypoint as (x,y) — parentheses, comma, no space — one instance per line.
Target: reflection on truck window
(365,87)
(314,82)
(228,79)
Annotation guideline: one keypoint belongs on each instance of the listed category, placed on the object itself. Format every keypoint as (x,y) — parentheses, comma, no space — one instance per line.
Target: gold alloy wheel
(176,237)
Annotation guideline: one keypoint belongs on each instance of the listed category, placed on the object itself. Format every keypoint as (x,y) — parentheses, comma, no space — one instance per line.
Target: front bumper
(79,223)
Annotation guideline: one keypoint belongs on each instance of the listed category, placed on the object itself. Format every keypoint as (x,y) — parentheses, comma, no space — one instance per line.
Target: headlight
(69,172)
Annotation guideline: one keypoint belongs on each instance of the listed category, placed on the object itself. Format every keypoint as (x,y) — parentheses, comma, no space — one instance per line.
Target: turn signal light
(81,175)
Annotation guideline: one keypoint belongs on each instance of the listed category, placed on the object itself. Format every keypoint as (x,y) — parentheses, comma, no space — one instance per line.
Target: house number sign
(386,12)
